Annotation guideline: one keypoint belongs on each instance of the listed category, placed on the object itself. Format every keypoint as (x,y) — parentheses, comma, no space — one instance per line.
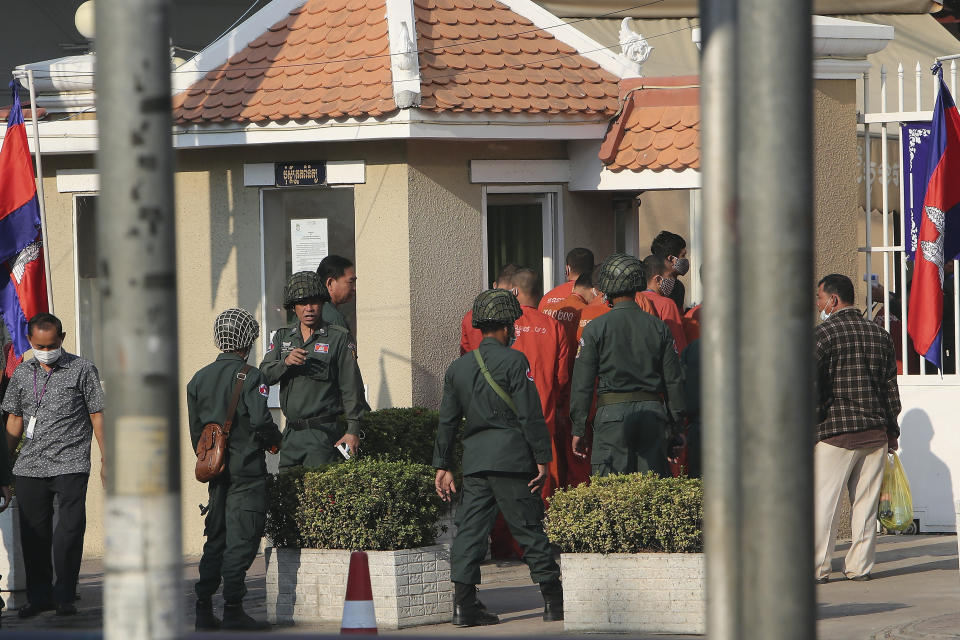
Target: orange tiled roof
(331,59)
(658,128)
(326,59)
(478,55)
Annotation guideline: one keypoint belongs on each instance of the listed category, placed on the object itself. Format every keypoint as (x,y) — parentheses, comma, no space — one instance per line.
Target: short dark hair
(839,285)
(580,260)
(653,266)
(44,320)
(333,266)
(506,273)
(525,280)
(585,279)
(667,244)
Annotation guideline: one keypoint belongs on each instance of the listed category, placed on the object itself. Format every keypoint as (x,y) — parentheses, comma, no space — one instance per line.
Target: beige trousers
(859,472)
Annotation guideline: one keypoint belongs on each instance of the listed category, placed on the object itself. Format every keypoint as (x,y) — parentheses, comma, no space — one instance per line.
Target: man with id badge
(316,365)
(55,403)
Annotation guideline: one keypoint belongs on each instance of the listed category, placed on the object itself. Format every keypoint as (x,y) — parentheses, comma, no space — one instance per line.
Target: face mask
(666,286)
(511,337)
(824,315)
(48,357)
(681,266)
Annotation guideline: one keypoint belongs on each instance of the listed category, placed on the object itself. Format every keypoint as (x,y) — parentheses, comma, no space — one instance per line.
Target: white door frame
(551,198)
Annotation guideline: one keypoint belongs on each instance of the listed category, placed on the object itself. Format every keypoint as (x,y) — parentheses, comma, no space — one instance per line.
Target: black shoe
(206,621)
(236,619)
(552,601)
(67,609)
(472,616)
(823,580)
(862,578)
(31,610)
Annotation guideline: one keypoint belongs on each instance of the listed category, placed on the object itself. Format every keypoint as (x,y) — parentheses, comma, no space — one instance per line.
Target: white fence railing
(895,270)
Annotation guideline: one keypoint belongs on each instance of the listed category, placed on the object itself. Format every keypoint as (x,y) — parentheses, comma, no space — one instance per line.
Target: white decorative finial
(408,61)
(635,50)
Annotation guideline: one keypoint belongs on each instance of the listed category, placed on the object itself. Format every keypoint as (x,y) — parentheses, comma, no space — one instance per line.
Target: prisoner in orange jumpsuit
(579,261)
(659,286)
(691,323)
(469,336)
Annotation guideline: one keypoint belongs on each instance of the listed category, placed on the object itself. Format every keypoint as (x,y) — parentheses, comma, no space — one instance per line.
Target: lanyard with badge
(38,396)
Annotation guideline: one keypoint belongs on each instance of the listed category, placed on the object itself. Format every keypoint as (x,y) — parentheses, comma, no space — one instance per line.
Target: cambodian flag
(939,238)
(23,286)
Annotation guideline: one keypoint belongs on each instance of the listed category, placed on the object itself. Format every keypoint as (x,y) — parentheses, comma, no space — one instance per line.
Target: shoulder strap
(235,398)
(493,383)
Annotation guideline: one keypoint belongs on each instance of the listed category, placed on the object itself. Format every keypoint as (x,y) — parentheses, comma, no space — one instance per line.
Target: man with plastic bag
(858,403)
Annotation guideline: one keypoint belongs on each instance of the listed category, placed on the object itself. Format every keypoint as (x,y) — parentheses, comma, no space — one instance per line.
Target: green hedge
(365,504)
(628,514)
(403,434)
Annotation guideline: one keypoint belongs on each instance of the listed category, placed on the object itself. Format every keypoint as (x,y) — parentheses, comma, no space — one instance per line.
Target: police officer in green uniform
(633,355)
(506,448)
(316,366)
(236,512)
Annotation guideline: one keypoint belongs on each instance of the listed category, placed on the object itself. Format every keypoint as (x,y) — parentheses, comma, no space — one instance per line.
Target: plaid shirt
(856,376)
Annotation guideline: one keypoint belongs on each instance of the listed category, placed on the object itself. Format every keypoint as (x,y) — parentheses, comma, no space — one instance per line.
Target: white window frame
(76,265)
(551,196)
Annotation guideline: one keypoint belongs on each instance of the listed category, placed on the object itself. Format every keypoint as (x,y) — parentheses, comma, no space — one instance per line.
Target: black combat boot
(236,619)
(206,621)
(552,600)
(467,610)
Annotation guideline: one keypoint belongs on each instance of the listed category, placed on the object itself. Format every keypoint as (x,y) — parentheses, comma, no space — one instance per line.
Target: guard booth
(896,108)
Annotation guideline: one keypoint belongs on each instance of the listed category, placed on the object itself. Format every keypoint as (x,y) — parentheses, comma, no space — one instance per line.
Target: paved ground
(915,595)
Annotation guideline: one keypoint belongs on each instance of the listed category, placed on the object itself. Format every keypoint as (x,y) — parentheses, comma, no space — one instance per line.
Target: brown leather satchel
(212,447)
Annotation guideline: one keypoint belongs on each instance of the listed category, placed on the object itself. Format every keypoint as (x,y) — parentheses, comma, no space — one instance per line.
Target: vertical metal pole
(137,269)
(43,201)
(775,108)
(720,373)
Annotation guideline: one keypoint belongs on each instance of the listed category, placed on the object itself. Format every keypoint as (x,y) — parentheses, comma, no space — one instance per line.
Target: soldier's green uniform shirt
(494,437)
(501,449)
(328,384)
(237,508)
(331,314)
(628,350)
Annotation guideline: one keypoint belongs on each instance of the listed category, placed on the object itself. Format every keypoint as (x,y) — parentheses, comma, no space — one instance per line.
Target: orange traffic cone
(358,613)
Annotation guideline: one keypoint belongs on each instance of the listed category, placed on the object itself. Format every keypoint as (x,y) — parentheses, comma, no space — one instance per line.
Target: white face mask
(824,315)
(48,357)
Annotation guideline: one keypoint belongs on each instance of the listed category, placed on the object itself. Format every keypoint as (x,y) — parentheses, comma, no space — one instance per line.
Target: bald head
(524,283)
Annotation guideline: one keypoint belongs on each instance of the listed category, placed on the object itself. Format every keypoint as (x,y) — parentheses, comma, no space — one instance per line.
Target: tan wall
(836,223)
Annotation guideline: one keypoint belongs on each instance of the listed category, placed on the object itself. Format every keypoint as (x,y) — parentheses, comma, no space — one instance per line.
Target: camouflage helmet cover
(235,330)
(301,286)
(495,306)
(620,274)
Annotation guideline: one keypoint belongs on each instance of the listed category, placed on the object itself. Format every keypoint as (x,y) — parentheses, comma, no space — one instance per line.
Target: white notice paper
(308,243)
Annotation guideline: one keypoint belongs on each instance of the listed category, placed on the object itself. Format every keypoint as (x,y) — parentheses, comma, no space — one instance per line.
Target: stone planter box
(13,584)
(410,587)
(649,592)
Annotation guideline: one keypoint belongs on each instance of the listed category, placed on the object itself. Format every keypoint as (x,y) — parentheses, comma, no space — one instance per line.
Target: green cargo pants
(629,437)
(234,527)
(310,448)
(485,494)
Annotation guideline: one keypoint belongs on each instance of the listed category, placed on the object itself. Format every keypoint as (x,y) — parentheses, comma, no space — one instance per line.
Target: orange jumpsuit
(567,312)
(691,323)
(557,294)
(469,336)
(666,310)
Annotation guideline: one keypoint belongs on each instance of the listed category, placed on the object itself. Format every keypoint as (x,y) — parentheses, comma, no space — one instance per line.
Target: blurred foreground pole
(775,194)
(143,594)
(720,373)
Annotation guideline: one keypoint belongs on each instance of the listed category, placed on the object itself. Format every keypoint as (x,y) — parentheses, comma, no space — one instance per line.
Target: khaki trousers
(860,473)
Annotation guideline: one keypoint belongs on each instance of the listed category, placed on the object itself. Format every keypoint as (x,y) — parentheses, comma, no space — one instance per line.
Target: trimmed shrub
(365,504)
(403,434)
(632,513)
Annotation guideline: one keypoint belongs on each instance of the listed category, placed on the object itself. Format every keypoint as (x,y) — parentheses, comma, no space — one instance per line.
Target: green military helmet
(496,306)
(303,285)
(235,330)
(620,274)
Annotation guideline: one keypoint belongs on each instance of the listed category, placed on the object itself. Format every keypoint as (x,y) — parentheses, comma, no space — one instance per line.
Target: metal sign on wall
(299,174)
